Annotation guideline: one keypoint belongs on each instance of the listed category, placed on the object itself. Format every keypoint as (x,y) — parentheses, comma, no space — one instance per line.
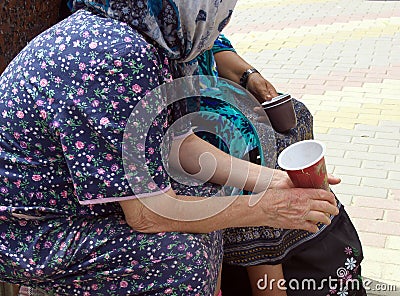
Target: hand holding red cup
(305,164)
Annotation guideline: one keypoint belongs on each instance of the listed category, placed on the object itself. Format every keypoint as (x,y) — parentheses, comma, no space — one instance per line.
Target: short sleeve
(222,44)
(109,93)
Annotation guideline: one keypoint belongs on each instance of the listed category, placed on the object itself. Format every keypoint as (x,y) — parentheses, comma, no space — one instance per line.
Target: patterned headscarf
(182,28)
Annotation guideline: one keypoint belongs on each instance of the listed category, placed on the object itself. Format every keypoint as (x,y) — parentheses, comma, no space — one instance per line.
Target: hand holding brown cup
(281,113)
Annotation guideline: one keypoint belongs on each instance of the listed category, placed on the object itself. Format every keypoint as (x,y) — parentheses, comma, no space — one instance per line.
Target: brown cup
(281,113)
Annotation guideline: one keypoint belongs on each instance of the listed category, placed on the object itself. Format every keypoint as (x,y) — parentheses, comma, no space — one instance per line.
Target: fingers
(332,180)
(320,212)
(261,88)
(310,227)
(323,195)
(324,207)
(267,96)
(317,217)
(267,90)
(321,206)
(271,89)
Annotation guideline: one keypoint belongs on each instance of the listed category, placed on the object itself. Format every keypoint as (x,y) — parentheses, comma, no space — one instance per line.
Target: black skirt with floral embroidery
(327,265)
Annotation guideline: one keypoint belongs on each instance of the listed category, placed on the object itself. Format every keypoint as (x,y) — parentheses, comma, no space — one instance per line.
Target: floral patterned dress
(65,101)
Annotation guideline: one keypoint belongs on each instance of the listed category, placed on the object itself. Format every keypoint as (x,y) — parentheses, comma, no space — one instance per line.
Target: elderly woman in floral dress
(72,220)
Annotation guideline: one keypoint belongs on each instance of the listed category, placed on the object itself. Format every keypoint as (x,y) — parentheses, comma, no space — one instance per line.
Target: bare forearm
(280,206)
(169,212)
(206,162)
(230,65)
(287,208)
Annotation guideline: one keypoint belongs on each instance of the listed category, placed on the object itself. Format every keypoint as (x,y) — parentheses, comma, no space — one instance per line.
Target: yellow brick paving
(312,35)
(257,3)
(353,107)
(367,115)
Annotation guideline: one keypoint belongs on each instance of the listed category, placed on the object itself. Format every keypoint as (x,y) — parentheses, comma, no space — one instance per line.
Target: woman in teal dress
(298,251)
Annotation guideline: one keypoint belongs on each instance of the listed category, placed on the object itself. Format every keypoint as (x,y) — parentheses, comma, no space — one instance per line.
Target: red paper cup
(305,164)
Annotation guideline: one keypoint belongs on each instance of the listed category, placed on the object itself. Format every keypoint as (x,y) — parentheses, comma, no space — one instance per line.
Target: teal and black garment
(226,112)
(255,245)
(207,63)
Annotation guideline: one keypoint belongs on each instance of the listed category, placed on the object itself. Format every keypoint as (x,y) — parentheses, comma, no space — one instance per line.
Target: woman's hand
(261,88)
(280,180)
(297,208)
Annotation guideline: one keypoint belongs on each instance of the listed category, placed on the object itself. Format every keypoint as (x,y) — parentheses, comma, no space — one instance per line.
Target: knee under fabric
(312,265)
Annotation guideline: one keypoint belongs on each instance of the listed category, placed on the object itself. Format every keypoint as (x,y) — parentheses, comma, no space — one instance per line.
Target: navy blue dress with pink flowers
(65,101)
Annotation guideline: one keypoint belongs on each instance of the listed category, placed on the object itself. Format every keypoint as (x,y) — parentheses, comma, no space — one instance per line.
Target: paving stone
(345,199)
(358,190)
(388,135)
(333,138)
(392,216)
(373,141)
(346,161)
(370,268)
(393,242)
(349,147)
(384,157)
(372,239)
(392,125)
(321,130)
(353,133)
(361,172)
(356,120)
(377,203)
(334,153)
(384,149)
(380,165)
(394,175)
(392,273)
(349,179)
(381,128)
(365,213)
(394,193)
(386,183)
(382,255)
